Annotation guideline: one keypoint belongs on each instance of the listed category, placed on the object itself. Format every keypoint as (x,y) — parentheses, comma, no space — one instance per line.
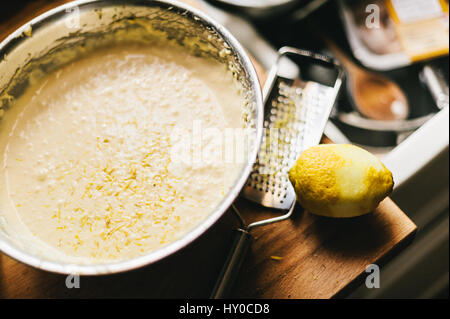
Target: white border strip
(419,149)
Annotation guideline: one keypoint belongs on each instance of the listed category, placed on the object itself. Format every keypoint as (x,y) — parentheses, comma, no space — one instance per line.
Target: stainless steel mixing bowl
(62,34)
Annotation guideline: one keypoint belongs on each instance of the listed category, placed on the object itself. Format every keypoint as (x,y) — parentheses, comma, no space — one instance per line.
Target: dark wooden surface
(320,257)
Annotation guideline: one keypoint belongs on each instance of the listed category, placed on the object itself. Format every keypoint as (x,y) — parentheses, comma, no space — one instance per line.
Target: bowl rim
(18,254)
(255,4)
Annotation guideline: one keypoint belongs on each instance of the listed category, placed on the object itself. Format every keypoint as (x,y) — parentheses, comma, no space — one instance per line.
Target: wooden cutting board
(319,257)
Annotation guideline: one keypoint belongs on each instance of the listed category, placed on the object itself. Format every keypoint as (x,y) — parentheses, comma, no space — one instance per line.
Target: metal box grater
(296,112)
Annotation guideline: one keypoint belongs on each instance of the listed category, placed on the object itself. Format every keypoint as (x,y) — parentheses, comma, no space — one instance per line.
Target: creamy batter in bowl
(88,181)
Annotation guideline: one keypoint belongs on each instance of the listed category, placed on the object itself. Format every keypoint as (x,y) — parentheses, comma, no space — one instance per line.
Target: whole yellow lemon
(340,180)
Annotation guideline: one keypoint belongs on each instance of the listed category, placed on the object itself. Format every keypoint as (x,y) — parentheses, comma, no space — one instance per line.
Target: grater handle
(232,265)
